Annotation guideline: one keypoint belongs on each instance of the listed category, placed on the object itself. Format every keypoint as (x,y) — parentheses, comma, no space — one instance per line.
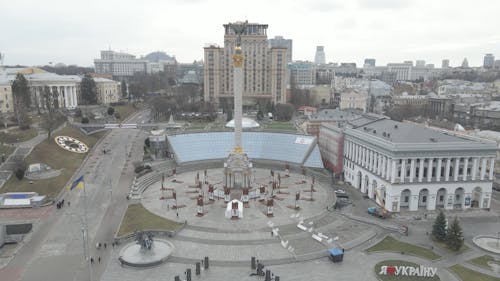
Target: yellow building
(108,91)
(6,98)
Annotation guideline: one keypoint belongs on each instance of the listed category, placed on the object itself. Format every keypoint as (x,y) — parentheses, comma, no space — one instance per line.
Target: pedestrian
(99,259)
(177,214)
(104,245)
(272,233)
(69,203)
(91,260)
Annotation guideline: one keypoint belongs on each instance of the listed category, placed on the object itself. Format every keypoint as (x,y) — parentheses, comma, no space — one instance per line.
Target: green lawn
(7,150)
(470,275)
(50,153)
(444,247)
(401,278)
(280,126)
(137,218)
(126,110)
(17,135)
(483,261)
(390,244)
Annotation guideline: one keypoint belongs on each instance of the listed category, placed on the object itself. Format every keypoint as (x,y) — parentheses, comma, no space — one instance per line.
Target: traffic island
(137,218)
(398,270)
(391,244)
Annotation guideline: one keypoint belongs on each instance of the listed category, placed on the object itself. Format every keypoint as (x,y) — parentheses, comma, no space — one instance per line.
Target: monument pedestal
(237,171)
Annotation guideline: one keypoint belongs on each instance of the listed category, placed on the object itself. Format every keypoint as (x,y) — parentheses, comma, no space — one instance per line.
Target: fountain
(490,243)
(145,251)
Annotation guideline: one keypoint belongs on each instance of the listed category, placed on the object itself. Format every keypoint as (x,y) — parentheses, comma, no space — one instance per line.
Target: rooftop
(333,115)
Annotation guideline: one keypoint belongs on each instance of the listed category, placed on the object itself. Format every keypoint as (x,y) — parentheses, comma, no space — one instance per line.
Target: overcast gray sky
(35,32)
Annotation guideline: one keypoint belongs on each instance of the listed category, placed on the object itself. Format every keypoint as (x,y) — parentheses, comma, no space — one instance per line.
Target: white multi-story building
(65,87)
(264,69)
(403,166)
(119,65)
(402,70)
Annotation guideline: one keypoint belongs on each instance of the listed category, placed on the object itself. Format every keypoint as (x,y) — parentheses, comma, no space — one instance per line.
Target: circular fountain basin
(132,255)
(488,242)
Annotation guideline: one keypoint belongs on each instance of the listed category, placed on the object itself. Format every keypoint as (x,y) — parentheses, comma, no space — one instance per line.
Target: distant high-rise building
(465,63)
(497,64)
(280,42)
(420,63)
(264,70)
(369,62)
(489,61)
(319,57)
(445,63)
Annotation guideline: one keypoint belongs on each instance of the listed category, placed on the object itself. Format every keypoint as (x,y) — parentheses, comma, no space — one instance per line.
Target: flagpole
(86,233)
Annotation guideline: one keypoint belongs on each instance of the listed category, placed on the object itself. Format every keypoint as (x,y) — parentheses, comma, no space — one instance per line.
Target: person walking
(99,259)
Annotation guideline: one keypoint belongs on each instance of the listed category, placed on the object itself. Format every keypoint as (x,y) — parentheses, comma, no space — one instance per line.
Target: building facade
(319,56)
(120,65)
(488,61)
(303,74)
(6,98)
(280,42)
(108,91)
(403,166)
(353,99)
(264,69)
(331,146)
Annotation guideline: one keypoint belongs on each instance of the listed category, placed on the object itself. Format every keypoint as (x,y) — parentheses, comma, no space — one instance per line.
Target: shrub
(138,169)
(117,115)
(111,110)
(85,120)
(78,113)
(19,173)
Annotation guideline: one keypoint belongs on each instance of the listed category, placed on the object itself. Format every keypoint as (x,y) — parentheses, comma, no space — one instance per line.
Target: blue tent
(336,254)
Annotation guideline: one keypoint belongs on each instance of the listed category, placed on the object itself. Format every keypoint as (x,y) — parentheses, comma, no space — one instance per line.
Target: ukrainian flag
(77,183)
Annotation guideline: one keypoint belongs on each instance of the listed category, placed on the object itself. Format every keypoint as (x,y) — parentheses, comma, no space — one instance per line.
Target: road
(55,250)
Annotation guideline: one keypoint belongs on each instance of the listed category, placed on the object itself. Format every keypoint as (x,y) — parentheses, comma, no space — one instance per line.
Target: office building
(489,61)
(120,65)
(369,62)
(264,70)
(445,63)
(280,42)
(319,57)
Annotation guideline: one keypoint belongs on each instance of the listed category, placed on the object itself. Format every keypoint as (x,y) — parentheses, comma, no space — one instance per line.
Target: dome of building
(246,123)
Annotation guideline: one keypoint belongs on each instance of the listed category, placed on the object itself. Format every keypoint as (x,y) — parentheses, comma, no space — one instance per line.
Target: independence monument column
(237,172)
